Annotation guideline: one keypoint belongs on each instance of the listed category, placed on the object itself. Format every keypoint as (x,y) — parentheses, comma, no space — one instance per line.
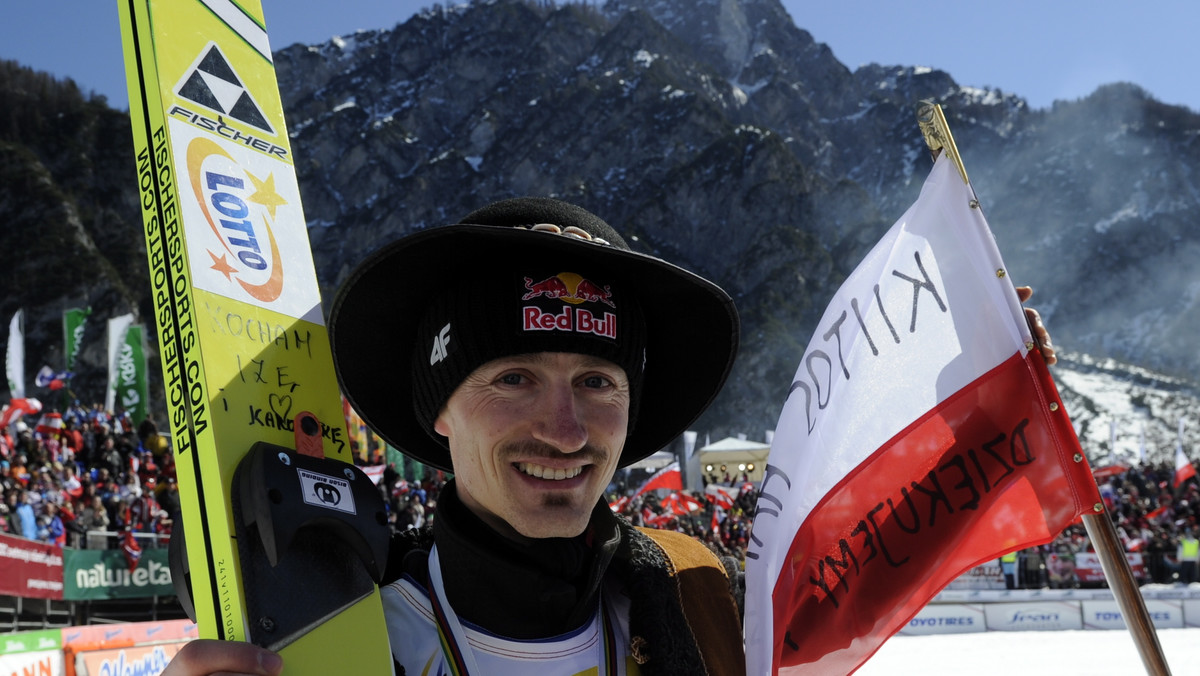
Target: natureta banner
(90,574)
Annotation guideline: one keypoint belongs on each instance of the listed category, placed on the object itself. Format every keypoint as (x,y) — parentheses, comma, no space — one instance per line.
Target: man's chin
(553,521)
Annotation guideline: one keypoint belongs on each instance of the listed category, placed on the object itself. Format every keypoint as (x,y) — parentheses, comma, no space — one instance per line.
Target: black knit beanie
(533,309)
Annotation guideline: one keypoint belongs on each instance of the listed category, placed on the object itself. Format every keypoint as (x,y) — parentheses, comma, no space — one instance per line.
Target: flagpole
(1129,598)
(1100,529)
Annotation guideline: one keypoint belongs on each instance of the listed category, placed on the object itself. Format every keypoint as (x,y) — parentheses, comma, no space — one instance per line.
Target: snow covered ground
(1057,653)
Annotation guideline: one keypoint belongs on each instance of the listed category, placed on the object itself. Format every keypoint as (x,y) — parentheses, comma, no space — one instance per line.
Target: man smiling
(528,351)
(533,354)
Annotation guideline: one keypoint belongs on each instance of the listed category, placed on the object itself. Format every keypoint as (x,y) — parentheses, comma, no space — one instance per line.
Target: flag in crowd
(14,362)
(1112,441)
(132,550)
(116,338)
(667,477)
(1184,469)
(50,425)
(50,379)
(721,496)
(680,504)
(128,382)
(16,409)
(921,436)
(74,324)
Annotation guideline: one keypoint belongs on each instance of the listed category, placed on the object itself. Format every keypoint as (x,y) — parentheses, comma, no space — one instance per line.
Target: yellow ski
(244,351)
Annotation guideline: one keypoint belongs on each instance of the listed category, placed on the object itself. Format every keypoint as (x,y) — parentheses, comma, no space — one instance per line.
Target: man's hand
(206,657)
(1040,334)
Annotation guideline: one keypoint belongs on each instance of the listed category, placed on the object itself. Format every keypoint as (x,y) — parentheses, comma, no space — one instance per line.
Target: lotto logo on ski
(226,192)
(245,226)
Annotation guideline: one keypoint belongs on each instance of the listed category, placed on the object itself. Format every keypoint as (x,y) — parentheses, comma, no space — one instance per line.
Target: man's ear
(440,425)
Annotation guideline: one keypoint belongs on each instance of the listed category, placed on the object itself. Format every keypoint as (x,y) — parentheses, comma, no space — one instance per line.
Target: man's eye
(596,382)
(511,379)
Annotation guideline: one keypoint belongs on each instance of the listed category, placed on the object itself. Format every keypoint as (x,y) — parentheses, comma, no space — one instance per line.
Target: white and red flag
(50,425)
(721,496)
(1184,469)
(667,477)
(922,435)
(680,504)
(17,409)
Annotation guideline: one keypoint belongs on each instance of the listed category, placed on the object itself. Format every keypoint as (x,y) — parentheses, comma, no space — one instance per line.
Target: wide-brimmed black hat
(520,276)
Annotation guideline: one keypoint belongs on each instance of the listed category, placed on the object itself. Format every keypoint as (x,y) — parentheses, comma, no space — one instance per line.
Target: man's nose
(559,423)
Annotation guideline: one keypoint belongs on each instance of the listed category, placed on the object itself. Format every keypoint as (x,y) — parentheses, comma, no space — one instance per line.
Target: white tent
(732,453)
(654,461)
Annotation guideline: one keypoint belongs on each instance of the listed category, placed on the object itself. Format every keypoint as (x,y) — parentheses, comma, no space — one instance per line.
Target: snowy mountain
(720,135)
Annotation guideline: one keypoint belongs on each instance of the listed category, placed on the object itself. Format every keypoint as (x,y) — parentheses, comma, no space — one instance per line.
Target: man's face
(535,439)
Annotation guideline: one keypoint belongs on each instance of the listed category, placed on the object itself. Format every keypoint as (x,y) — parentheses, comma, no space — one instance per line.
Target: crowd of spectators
(99,476)
(1155,519)
(410,499)
(721,519)
(81,483)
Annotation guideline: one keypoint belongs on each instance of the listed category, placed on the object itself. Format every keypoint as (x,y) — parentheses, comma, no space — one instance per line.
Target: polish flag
(50,425)
(18,408)
(1184,469)
(667,477)
(922,435)
(721,496)
(681,504)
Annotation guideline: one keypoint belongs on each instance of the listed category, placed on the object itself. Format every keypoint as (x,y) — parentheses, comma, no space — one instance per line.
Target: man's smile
(549,473)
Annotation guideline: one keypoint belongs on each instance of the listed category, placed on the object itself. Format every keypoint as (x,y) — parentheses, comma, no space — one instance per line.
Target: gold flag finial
(932,122)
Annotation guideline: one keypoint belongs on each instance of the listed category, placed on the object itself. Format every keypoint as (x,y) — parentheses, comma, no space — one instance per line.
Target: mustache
(532,449)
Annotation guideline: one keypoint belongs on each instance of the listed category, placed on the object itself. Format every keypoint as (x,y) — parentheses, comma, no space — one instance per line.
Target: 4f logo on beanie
(441,344)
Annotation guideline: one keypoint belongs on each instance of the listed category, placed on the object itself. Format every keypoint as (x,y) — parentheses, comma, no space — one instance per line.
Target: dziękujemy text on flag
(922,435)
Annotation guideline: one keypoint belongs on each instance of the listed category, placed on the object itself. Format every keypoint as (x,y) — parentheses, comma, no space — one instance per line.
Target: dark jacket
(664,640)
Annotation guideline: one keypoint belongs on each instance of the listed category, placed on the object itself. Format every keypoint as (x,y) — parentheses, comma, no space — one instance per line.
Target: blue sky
(1043,51)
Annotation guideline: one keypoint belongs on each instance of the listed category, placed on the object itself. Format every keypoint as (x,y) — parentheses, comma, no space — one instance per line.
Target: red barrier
(30,569)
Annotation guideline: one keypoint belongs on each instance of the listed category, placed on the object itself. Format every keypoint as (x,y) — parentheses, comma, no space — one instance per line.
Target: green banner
(31,641)
(132,391)
(74,320)
(90,574)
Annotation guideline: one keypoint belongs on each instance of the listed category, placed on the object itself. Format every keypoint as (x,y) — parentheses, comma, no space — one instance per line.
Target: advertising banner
(148,660)
(30,569)
(984,576)
(131,387)
(1107,614)
(116,338)
(1033,616)
(37,653)
(128,633)
(90,574)
(74,323)
(1089,571)
(949,618)
(37,663)
(30,641)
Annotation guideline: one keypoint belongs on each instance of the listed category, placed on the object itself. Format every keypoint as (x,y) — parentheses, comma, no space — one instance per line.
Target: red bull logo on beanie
(571,288)
(574,290)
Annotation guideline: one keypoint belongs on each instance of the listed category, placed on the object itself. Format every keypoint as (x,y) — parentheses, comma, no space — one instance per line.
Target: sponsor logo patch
(574,291)
(212,83)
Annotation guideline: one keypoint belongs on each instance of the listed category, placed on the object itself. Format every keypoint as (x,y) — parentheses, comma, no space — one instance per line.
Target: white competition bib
(417,644)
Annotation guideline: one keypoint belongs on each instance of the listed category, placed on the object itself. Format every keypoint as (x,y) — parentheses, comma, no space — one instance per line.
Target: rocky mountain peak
(715,133)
